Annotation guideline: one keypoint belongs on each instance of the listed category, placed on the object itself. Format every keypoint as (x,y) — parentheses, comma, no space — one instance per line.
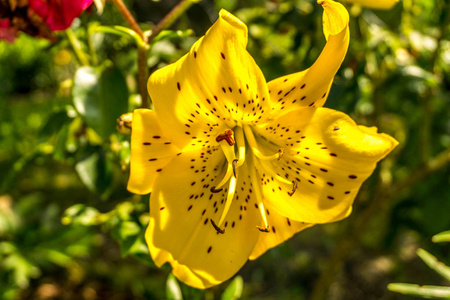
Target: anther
(222,231)
(227,136)
(280,153)
(234,163)
(263,229)
(213,190)
(294,188)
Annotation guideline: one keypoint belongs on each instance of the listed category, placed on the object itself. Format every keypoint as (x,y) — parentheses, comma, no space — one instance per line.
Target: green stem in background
(142,48)
(174,14)
(142,42)
(422,291)
(358,224)
(90,39)
(143,75)
(128,17)
(76,46)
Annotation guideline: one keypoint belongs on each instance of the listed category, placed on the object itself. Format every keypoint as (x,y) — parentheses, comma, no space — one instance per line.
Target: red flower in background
(7,32)
(58,14)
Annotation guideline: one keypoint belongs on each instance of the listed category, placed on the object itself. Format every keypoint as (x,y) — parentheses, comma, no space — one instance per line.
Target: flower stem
(143,75)
(76,46)
(142,48)
(90,39)
(171,17)
(128,17)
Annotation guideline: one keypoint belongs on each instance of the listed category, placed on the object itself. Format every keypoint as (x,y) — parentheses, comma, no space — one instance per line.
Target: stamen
(231,174)
(253,144)
(224,180)
(214,190)
(228,150)
(262,229)
(227,136)
(258,194)
(273,174)
(230,196)
(240,142)
(222,231)
(234,164)
(294,188)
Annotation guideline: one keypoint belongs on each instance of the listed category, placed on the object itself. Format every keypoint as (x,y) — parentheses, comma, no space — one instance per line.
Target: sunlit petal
(311,87)
(216,83)
(151,151)
(181,209)
(329,157)
(281,229)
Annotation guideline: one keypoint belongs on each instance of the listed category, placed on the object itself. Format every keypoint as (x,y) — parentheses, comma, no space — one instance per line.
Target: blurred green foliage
(70,230)
(438,292)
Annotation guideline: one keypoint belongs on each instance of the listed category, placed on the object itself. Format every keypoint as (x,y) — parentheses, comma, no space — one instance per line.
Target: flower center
(234,142)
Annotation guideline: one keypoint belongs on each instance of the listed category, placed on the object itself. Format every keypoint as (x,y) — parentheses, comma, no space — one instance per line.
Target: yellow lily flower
(376,4)
(235,165)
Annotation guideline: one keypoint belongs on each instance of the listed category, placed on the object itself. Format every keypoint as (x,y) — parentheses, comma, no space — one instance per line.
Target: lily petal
(151,151)
(281,229)
(329,157)
(311,87)
(182,206)
(216,83)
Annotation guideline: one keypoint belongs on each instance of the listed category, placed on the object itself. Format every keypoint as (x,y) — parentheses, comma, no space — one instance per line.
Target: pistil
(226,142)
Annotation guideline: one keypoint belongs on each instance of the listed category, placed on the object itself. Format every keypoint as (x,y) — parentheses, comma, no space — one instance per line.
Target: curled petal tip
(232,20)
(335,17)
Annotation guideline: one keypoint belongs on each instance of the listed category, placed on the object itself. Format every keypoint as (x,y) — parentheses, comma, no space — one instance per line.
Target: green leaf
(434,264)
(95,172)
(55,122)
(81,214)
(127,233)
(441,237)
(169,34)
(100,97)
(60,150)
(234,289)
(173,291)
(424,291)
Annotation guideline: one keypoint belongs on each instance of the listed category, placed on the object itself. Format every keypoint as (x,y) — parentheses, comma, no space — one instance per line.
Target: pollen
(227,136)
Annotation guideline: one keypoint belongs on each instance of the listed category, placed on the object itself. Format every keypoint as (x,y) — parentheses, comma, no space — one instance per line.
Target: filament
(258,194)
(254,146)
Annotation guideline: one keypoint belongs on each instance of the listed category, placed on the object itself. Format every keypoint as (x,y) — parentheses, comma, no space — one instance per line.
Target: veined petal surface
(151,151)
(311,87)
(281,229)
(326,154)
(181,209)
(214,85)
